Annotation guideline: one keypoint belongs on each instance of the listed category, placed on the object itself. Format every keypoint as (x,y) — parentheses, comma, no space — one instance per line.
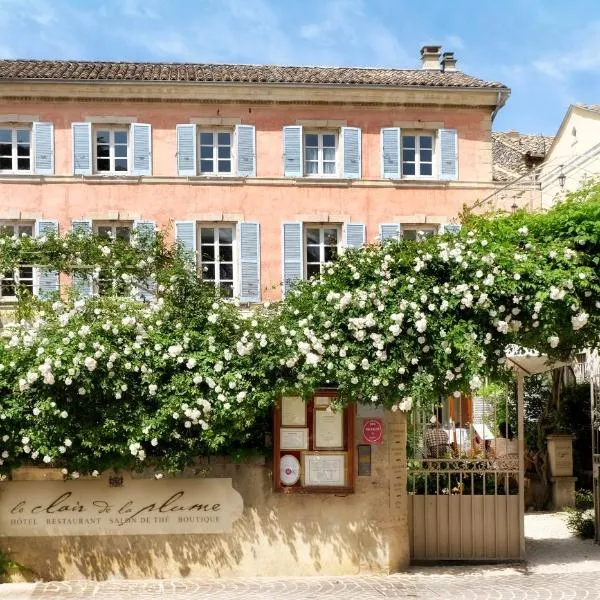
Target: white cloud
(580,57)
(455,42)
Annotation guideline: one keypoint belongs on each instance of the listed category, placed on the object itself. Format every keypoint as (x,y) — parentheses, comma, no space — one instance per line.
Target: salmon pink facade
(265,175)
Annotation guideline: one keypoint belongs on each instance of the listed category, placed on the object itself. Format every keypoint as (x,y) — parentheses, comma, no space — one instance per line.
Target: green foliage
(411,322)
(580,520)
(116,382)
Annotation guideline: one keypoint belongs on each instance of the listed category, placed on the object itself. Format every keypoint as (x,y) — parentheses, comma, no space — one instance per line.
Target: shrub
(580,519)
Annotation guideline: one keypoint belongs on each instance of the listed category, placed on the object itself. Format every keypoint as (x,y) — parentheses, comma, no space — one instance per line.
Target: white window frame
(114,225)
(417,162)
(111,129)
(426,228)
(216,246)
(14,129)
(320,133)
(16,276)
(321,227)
(215,157)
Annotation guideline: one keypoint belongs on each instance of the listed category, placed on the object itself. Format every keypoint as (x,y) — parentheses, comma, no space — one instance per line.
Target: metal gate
(465,481)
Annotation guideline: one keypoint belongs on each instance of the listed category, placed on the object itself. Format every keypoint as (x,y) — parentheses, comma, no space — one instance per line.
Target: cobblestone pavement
(559,566)
(422,584)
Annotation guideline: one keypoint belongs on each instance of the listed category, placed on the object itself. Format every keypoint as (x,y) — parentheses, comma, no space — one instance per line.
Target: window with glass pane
(320,154)
(15,150)
(417,233)
(417,155)
(216,257)
(105,283)
(112,151)
(21,277)
(215,152)
(321,248)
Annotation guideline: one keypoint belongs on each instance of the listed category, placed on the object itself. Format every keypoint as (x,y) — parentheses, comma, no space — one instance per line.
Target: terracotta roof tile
(514,154)
(46,70)
(592,107)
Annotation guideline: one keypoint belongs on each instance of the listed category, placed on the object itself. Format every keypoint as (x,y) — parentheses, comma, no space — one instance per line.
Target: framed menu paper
(322,401)
(325,469)
(328,430)
(293,438)
(293,411)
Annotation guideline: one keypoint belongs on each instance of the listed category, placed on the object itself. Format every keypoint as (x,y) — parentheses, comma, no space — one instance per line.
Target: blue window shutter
(185,236)
(452,228)
(82,282)
(47,281)
(389,231)
(292,254)
(146,289)
(82,148)
(145,228)
(186,150)
(292,151)
(249,245)
(141,149)
(448,149)
(351,145)
(245,136)
(43,141)
(354,234)
(390,153)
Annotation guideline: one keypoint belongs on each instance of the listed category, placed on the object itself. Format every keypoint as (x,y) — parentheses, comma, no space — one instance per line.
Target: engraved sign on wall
(139,507)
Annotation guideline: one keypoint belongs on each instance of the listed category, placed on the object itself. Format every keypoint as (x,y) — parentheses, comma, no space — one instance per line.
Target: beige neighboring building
(574,153)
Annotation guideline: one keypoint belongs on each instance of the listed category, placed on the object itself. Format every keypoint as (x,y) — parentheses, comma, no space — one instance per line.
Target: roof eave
(495,96)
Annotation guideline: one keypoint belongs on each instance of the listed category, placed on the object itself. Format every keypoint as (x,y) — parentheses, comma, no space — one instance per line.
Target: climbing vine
(88,384)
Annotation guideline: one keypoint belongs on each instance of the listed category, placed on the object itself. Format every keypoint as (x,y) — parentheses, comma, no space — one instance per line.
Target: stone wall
(278,534)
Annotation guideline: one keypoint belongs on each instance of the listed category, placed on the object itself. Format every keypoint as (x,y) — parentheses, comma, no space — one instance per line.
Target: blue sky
(546,51)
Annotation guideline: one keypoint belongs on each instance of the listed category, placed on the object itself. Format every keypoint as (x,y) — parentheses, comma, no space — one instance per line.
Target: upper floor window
(417,155)
(216,256)
(112,150)
(428,154)
(15,150)
(215,152)
(320,152)
(322,244)
(19,277)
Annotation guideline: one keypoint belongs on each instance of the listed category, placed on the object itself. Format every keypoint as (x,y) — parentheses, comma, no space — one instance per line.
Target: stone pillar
(397,532)
(560,454)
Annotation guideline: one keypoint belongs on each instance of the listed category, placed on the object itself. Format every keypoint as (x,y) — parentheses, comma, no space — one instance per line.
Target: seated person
(505,448)
(436,440)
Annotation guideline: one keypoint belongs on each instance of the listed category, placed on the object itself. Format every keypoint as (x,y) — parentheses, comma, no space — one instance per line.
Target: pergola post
(521,438)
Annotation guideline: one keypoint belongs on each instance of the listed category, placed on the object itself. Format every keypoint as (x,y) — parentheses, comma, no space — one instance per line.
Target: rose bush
(88,384)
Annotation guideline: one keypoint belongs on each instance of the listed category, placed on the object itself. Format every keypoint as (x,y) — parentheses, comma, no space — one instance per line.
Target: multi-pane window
(322,244)
(417,233)
(15,149)
(320,151)
(111,232)
(112,150)
(20,277)
(216,256)
(417,155)
(215,152)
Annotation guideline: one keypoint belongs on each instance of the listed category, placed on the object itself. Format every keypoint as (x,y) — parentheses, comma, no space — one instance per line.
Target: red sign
(372,431)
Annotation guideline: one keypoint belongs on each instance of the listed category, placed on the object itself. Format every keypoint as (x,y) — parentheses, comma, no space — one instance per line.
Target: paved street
(559,566)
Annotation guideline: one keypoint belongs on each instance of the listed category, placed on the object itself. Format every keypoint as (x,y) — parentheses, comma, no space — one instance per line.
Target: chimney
(448,61)
(430,57)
